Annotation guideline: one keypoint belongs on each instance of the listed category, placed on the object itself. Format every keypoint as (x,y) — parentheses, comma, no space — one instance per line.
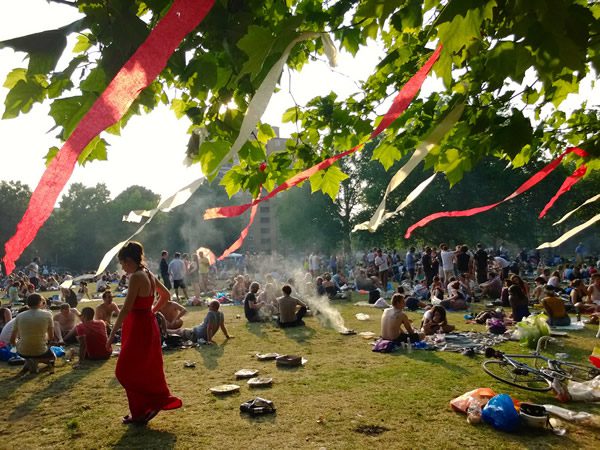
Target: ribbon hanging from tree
(399,105)
(569,234)
(535,179)
(260,100)
(566,186)
(238,243)
(166,205)
(421,151)
(570,213)
(137,73)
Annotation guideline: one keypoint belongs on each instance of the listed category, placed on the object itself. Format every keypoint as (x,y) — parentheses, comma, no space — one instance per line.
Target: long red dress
(140,364)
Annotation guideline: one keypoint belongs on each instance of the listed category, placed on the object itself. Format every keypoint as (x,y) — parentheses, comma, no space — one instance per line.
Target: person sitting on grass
(555,308)
(238,290)
(6,332)
(268,296)
(435,321)
(437,290)
(5,316)
(519,303)
(492,288)
(34,328)
(64,323)
(289,314)
(504,294)
(395,325)
(252,305)
(107,309)
(173,313)
(456,299)
(538,290)
(92,338)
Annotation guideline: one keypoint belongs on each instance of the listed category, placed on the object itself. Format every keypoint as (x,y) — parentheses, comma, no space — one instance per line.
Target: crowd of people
(435,279)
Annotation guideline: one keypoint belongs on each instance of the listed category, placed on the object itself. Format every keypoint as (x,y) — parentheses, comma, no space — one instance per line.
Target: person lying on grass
(435,321)
(395,325)
(92,338)
(213,321)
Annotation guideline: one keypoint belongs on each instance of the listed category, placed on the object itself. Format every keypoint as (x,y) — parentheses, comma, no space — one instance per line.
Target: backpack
(384,346)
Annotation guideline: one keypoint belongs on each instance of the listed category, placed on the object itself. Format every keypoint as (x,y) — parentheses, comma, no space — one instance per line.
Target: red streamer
(535,179)
(566,186)
(137,73)
(238,243)
(401,102)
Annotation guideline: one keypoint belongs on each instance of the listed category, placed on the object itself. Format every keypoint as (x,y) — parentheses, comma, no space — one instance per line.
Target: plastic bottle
(409,346)
(474,412)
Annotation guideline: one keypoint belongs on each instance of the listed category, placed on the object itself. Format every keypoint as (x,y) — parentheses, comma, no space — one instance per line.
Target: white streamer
(566,216)
(569,234)
(259,102)
(424,147)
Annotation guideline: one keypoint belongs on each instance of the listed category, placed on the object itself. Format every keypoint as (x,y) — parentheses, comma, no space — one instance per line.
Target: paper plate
(246,373)
(260,381)
(367,334)
(266,356)
(289,360)
(225,389)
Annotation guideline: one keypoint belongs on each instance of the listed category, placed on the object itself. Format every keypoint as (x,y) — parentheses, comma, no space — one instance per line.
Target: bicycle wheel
(522,377)
(577,372)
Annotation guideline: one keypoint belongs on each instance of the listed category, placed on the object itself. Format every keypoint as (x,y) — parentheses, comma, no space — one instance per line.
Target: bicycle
(510,369)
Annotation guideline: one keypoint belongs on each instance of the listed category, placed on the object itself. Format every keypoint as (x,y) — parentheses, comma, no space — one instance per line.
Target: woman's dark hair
(439,309)
(132,250)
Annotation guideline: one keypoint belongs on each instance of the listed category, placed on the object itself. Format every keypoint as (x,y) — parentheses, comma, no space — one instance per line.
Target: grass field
(344,388)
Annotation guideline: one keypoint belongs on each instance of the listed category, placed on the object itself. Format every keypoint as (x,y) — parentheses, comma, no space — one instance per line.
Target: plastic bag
(530,329)
(500,412)
(588,391)
(595,357)
(496,326)
(6,353)
(462,403)
(58,351)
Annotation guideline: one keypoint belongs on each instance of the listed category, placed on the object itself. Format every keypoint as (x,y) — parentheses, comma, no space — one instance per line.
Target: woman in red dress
(140,365)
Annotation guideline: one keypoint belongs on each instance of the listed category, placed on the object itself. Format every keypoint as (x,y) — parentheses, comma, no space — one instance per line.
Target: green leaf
(22,97)
(179,106)
(95,150)
(211,153)
(67,112)
(330,181)
(265,133)
(83,44)
(51,155)
(95,82)
(232,181)
(386,154)
(14,76)
(290,115)
(256,44)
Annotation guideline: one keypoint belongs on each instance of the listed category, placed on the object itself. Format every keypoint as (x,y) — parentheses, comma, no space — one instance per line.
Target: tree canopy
(512,61)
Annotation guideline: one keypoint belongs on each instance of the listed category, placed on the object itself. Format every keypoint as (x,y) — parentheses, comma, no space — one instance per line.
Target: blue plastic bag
(58,351)
(500,412)
(5,353)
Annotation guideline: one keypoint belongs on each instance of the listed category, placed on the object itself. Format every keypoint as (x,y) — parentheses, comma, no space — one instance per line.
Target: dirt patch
(371,430)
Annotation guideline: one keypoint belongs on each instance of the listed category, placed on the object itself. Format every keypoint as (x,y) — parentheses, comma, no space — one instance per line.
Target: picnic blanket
(460,341)
(575,326)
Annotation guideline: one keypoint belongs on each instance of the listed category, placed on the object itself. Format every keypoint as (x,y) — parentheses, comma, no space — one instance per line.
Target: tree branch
(63,2)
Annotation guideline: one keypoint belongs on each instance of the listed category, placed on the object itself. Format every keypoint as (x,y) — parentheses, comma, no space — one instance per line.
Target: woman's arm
(163,294)
(135,284)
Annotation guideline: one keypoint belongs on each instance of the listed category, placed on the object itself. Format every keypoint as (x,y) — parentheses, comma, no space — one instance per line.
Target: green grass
(344,386)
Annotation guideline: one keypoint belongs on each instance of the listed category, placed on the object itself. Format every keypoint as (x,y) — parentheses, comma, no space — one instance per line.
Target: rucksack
(384,346)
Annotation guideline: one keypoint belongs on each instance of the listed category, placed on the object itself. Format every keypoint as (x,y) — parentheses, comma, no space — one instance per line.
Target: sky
(151,149)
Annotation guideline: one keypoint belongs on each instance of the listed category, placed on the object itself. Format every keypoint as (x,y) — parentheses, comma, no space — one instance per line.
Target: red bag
(482,395)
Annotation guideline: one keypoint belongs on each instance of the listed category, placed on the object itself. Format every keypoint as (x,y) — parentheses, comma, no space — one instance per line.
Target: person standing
(140,364)
(177,270)
(427,263)
(381,262)
(579,253)
(411,263)
(204,268)
(164,269)
(481,264)
(33,272)
(447,257)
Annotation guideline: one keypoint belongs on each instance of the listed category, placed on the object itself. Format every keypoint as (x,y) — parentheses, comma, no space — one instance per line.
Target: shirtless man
(593,293)
(106,309)
(173,313)
(64,324)
(392,321)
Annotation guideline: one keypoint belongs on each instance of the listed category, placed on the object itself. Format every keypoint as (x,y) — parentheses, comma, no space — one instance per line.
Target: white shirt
(381,262)
(177,269)
(447,259)
(6,332)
